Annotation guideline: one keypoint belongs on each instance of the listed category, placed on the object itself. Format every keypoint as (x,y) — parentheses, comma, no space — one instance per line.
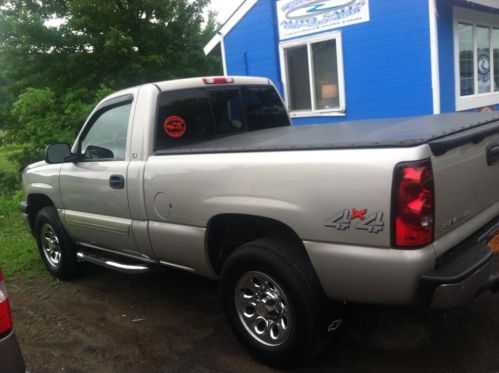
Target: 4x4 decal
(344,220)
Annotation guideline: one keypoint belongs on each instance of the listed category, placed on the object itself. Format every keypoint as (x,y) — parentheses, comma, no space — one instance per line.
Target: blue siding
(386,61)
(251,48)
(446,50)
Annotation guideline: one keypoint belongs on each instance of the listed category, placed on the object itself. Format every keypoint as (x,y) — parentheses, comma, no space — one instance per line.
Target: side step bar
(129,268)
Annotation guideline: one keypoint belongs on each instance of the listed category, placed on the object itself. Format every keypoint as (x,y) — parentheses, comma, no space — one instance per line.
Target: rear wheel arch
(227,232)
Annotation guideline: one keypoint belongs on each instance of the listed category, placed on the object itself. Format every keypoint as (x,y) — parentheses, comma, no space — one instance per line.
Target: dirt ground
(172,321)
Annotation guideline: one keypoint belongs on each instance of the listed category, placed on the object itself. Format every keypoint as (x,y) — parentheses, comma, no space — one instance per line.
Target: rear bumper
(455,282)
(11,359)
(462,273)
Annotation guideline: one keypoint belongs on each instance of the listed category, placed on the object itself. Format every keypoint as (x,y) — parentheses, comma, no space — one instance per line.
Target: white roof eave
(233,20)
(212,44)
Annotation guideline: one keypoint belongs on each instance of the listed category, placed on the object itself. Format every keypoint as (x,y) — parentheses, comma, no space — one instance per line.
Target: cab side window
(106,139)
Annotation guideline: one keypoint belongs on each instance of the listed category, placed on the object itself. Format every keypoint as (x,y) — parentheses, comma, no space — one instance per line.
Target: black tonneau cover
(442,132)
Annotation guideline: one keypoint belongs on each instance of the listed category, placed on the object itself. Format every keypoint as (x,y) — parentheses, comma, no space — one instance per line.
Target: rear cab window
(189,116)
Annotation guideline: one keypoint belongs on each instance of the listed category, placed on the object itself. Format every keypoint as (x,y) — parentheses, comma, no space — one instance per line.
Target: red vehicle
(11,359)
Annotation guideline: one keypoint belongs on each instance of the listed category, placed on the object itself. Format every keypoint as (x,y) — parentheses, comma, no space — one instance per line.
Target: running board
(129,268)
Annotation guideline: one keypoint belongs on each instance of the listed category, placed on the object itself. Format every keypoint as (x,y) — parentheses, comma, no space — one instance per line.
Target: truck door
(94,189)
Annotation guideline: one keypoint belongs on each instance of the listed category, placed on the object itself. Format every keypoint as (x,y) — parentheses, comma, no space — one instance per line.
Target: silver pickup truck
(208,176)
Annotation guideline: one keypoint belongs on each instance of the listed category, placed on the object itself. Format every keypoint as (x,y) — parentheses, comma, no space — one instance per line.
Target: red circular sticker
(174,126)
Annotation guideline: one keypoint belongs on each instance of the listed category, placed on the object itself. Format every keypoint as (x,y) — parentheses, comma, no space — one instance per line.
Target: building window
(480,63)
(476,37)
(312,72)
(466,59)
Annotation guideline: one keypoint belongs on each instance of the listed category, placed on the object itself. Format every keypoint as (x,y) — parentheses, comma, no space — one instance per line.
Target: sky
(224,8)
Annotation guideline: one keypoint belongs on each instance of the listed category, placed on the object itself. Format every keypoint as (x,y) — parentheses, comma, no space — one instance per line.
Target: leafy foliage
(52,76)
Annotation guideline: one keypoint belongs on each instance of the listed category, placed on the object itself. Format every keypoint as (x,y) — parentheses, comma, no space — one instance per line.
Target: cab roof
(171,85)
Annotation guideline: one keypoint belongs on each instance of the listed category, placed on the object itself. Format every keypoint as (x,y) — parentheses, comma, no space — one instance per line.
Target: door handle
(493,155)
(117,182)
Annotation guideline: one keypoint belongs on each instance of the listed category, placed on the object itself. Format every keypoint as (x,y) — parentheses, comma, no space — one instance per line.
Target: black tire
(47,226)
(307,332)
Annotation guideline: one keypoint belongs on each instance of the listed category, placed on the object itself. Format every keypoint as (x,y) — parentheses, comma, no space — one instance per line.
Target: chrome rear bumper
(464,272)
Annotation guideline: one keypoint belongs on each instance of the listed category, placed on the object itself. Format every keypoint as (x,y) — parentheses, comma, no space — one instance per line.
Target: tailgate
(466,173)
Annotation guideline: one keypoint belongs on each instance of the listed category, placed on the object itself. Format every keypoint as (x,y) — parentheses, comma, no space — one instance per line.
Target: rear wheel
(274,302)
(56,248)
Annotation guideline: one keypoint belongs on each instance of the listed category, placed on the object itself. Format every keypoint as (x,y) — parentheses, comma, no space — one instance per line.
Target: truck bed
(442,132)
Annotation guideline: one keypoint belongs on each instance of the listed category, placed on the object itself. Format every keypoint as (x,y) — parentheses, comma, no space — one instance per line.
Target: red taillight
(218,80)
(5,315)
(413,204)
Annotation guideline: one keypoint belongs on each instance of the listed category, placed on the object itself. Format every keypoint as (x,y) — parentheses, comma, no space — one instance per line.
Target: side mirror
(57,153)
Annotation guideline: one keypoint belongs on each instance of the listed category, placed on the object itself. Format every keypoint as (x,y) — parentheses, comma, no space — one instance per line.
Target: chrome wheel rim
(51,246)
(263,308)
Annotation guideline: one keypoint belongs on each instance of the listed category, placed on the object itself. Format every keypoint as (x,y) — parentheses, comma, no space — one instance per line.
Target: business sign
(302,17)
(483,70)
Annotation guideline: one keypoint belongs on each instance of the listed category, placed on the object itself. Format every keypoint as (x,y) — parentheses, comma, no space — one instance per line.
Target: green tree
(51,76)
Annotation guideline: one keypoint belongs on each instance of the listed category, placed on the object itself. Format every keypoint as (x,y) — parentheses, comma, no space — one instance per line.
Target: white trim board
(435,65)
(224,59)
(215,40)
(233,20)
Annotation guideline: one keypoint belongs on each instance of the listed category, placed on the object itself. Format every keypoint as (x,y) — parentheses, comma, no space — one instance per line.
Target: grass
(18,252)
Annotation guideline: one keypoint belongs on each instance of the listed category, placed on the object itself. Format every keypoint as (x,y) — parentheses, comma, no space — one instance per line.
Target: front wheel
(56,248)
(274,302)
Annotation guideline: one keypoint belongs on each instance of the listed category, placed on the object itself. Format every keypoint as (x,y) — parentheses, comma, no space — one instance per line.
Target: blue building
(343,60)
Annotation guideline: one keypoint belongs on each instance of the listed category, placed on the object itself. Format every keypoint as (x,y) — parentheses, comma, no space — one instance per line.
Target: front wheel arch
(36,202)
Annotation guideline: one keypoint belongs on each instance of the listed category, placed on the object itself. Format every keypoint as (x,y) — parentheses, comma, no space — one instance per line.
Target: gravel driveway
(172,321)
